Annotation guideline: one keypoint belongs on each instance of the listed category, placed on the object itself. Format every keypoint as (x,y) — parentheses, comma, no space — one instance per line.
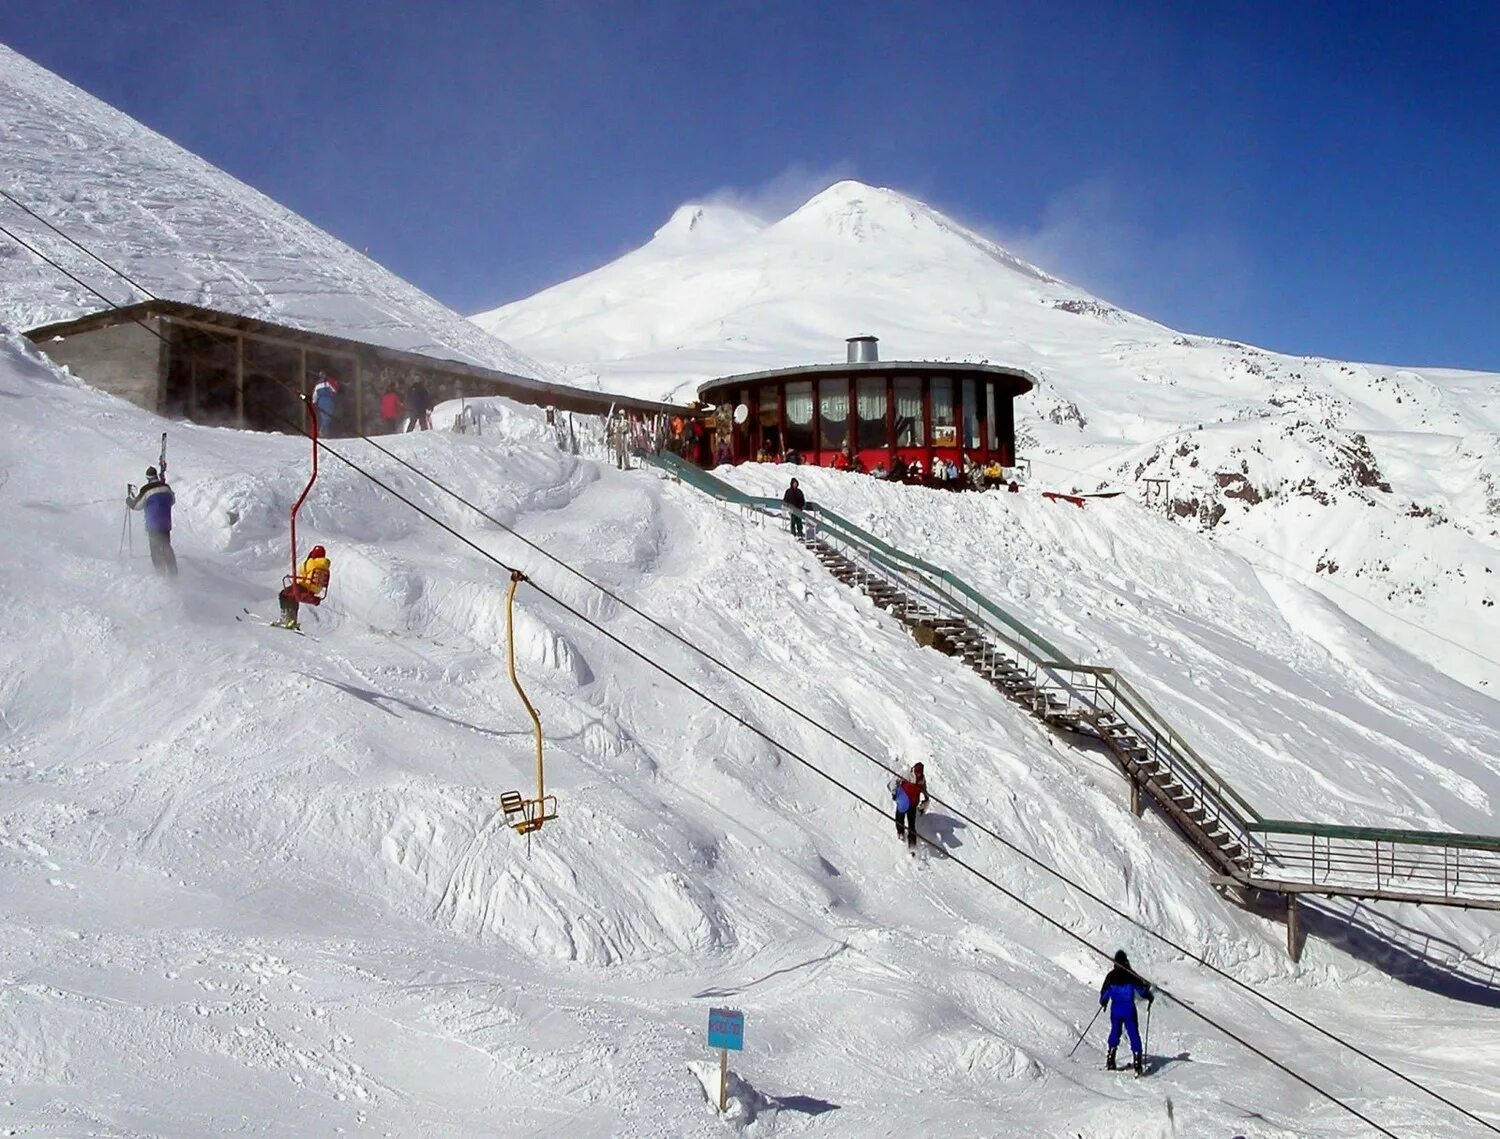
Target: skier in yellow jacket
(309,587)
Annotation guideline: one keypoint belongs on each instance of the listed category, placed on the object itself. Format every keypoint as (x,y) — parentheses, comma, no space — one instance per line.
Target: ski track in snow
(239,862)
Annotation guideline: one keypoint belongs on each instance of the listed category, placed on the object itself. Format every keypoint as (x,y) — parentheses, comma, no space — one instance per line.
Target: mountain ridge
(187,231)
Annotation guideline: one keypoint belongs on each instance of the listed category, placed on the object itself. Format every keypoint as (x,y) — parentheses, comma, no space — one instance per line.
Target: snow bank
(257,881)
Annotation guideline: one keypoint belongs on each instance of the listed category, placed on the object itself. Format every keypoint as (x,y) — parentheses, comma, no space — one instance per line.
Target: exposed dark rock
(1236,485)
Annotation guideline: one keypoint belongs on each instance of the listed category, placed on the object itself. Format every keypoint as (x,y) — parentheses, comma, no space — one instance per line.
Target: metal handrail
(1379,834)
(1146,711)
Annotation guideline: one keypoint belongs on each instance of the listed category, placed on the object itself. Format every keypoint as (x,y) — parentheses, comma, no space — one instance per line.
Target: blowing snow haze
(259,883)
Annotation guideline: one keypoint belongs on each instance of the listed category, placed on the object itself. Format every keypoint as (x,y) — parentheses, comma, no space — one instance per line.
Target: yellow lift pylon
(524,815)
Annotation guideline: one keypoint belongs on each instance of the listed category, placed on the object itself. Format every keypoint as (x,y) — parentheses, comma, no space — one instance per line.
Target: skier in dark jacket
(419,405)
(1121,986)
(796,502)
(156,499)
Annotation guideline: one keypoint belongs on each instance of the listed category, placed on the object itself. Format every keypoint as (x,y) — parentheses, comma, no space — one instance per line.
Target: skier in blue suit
(325,402)
(156,499)
(1121,987)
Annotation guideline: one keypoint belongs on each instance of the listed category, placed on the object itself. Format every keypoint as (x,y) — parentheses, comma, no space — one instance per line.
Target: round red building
(871,411)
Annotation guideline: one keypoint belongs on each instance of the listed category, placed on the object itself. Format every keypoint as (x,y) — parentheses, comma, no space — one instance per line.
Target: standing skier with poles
(1121,986)
(156,498)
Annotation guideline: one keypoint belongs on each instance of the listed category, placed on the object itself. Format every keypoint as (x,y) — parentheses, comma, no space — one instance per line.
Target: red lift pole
(296,506)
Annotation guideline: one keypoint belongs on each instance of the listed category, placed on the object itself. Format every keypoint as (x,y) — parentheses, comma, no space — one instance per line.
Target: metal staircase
(1247,854)
(1077,705)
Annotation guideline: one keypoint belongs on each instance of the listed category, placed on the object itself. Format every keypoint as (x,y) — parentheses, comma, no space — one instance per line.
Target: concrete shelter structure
(186,361)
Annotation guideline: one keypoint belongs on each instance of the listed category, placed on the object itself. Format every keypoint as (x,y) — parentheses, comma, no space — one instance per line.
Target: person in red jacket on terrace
(391,409)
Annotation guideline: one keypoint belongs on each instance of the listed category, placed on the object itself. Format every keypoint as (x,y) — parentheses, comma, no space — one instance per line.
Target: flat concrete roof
(562,396)
(1019,382)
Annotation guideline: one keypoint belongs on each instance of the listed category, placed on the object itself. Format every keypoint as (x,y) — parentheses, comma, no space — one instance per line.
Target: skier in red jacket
(910,794)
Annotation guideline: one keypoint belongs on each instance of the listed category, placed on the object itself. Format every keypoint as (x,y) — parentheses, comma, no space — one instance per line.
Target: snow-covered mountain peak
(700,223)
(854,210)
(894,224)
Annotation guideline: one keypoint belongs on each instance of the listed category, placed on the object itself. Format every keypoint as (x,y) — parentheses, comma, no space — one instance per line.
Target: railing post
(1137,807)
(1293,929)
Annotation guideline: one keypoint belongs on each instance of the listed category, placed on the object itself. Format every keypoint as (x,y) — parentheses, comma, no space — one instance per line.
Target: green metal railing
(1390,863)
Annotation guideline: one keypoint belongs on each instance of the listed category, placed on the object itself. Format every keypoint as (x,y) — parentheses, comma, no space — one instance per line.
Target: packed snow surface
(187,231)
(1379,485)
(255,883)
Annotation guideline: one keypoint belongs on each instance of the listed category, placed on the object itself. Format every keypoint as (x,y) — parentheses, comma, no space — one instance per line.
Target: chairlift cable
(1136,922)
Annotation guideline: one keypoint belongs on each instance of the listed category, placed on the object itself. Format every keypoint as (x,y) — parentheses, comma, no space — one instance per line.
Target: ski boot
(1109,1061)
(1139,1063)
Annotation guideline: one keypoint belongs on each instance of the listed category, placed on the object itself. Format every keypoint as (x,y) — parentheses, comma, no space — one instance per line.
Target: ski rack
(521,814)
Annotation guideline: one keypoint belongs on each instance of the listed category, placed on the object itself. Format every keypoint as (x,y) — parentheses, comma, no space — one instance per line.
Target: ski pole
(127,532)
(1146,1041)
(1091,1025)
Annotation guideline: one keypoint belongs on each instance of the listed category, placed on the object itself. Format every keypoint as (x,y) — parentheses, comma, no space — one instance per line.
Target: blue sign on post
(726,1029)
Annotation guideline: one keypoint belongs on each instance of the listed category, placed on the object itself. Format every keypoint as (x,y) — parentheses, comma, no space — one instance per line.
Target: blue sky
(1313,177)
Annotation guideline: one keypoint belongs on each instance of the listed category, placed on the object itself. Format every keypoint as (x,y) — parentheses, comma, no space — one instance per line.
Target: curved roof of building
(1020,382)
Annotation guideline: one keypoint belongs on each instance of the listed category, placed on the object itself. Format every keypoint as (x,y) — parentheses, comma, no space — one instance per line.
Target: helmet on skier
(150,472)
(317,552)
(1121,958)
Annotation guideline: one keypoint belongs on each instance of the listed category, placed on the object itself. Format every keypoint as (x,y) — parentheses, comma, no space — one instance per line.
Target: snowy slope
(188,232)
(1379,485)
(254,882)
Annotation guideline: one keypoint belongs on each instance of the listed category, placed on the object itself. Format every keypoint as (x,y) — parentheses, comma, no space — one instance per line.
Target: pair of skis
(247,615)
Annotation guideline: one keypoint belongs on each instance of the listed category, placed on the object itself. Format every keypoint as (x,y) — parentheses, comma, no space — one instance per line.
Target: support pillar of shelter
(359,398)
(1137,803)
(164,336)
(239,382)
(1293,929)
(302,389)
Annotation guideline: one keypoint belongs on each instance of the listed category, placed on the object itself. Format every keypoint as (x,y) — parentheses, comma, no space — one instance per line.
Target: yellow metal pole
(516,577)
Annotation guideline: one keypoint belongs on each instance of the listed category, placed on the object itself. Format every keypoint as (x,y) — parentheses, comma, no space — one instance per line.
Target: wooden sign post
(726,1030)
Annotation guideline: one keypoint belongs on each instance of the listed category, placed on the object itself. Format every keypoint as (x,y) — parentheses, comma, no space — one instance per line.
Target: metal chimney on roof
(862,349)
